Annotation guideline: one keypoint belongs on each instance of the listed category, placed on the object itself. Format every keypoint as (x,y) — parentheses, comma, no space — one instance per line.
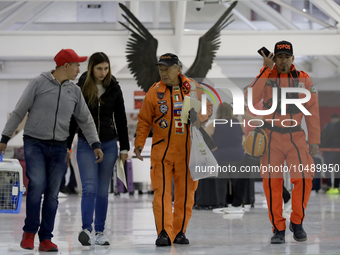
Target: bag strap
(295,75)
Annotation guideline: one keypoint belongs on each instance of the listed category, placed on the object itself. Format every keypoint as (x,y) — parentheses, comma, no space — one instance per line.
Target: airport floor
(130,228)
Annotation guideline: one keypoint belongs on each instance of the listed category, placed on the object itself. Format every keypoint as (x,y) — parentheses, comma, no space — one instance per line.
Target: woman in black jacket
(105,100)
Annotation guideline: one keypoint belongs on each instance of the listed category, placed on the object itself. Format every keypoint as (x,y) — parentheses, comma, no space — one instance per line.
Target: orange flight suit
(170,152)
(287,145)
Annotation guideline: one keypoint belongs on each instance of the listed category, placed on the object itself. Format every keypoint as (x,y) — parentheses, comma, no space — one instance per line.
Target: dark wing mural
(142,49)
(141,52)
(208,44)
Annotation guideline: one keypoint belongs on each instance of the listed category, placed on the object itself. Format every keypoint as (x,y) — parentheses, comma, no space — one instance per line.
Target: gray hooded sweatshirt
(50,107)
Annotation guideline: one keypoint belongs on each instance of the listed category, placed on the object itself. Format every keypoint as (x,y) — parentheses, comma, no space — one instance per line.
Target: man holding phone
(287,143)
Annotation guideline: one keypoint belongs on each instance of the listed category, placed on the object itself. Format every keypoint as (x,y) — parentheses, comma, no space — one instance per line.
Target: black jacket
(113,105)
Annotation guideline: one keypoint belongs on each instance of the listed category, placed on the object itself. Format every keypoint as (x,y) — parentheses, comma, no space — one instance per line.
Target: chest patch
(163,108)
(163,123)
(160,95)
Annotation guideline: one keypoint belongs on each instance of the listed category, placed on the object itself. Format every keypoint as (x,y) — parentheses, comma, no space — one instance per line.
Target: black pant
(229,188)
(230,191)
(72,184)
(285,194)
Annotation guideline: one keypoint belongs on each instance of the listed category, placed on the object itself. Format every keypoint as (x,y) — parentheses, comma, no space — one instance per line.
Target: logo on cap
(168,59)
(283,47)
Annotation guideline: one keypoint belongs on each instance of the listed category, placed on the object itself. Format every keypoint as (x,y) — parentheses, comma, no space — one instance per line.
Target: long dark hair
(89,89)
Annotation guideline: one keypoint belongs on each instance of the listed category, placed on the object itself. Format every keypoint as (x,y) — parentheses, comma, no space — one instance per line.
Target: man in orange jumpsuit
(287,143)
(170,151)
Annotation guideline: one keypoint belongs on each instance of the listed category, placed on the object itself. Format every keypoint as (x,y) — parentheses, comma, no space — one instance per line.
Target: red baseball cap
(68,56)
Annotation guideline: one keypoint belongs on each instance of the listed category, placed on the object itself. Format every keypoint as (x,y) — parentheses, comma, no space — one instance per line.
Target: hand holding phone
(269,60)
(265,51)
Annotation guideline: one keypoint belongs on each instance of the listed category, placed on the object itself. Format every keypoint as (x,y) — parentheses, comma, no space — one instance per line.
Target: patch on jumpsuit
(160,95)
(179,126)
(163,123)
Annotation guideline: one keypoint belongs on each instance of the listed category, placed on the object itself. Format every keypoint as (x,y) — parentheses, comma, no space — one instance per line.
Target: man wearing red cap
(51,99)
(287,140)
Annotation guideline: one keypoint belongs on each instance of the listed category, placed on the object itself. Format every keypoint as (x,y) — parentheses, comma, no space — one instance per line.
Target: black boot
(181,238)
(300,234)
(278,237)
(163,239)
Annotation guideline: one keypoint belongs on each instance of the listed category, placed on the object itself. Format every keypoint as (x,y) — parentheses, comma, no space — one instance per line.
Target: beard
(284,69)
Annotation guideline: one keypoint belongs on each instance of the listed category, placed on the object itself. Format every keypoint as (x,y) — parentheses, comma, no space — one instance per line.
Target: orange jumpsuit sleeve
(145,117)
(312,121)
(259,83)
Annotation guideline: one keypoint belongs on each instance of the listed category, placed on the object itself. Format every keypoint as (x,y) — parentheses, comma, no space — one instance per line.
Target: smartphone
(265,51)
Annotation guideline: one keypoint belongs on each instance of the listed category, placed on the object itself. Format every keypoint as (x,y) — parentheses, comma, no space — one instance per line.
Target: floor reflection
(131,229)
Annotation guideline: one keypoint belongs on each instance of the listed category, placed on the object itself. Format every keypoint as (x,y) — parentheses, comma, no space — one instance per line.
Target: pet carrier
(11,186)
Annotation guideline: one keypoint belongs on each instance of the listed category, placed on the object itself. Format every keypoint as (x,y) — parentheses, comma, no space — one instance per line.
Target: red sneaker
(27,241)
(47,245)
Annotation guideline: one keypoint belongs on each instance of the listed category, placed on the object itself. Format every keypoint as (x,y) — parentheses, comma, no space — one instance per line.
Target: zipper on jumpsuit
(186,171)
(297,150)
(169,135)
(160,141)
(269,142)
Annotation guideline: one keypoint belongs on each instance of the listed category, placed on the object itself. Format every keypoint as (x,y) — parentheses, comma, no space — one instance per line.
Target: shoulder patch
(186,87)
(192,85)
(312,89)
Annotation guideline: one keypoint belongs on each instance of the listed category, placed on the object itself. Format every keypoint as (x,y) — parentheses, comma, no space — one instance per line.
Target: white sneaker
(62,195)
(219,210)
(85,238)
(234,209)
(101,239)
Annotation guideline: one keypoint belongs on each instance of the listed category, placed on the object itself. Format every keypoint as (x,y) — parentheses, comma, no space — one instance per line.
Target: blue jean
(95,179)
(46,165)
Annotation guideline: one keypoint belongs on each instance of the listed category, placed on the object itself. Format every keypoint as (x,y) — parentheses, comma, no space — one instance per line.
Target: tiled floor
(131,230)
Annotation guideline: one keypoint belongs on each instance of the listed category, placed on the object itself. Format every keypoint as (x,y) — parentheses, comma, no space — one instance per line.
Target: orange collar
(161,86)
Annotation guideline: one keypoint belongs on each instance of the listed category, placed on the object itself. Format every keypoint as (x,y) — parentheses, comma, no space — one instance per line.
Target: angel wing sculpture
(141,49)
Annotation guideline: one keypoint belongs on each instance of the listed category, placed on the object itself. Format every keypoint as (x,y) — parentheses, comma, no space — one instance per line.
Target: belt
(282,130)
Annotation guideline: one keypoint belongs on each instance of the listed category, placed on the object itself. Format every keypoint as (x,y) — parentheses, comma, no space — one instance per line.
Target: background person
(104,98)
(287,143)
(228,140)
(51,99)
(71,186)
(170,151)
(330,138)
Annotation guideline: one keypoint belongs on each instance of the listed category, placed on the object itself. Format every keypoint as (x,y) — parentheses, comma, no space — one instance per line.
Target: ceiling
(37,29)
(103,15)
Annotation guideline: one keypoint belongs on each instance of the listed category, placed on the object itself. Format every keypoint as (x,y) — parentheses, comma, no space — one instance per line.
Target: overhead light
(199,4)
(304,10)
(94,6)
